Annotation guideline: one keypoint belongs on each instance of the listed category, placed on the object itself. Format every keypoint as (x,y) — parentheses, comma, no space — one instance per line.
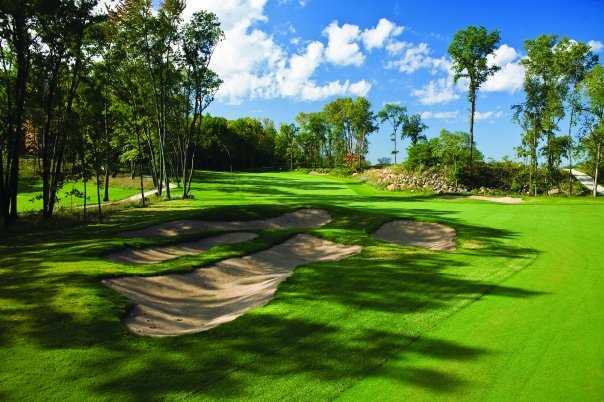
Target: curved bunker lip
(157,254)
(302,218)
(500,200)
(433,236)
(178,304)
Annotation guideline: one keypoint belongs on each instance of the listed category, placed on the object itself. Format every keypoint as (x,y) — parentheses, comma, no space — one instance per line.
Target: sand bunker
(200,300)
(154,255)
(302,218)
(501,200)
(433,236)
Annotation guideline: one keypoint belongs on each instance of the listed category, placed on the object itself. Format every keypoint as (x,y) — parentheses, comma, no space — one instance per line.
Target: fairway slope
(207,297)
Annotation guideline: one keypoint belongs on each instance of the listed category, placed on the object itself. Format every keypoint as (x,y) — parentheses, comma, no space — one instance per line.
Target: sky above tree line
(282,57)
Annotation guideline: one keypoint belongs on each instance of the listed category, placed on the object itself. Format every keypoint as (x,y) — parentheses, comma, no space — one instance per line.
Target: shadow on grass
(330,324)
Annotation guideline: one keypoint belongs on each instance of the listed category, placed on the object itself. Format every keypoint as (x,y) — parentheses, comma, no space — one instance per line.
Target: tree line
(85,91)
(563,79)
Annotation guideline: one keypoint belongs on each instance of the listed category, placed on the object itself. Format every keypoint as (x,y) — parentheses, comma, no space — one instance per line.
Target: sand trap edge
(183,311)
(499,200)
(408,233)
(303,218)
(159,254)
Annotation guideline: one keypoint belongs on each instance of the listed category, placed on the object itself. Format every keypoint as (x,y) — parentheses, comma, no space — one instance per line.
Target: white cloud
(294,79)
(253,66)
(377,37)
(415,57)
(311,92)
(504,54)
(441,90)
(489,115)
(301,3)
(342,47)
(360,88)
(439,115)
(595,45)
(510,77)
(396,47)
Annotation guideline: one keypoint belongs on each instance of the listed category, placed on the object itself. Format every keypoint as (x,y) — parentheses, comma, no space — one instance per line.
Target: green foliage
(422,155)
(448,151)
(505,176)
(413,128)
(555,69)
(469,50)
(396,116)
(240,144)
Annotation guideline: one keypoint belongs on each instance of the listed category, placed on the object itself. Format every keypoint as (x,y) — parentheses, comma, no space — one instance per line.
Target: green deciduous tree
(413,127)
(594,140)
(469,50)
(575,60)
(394,115)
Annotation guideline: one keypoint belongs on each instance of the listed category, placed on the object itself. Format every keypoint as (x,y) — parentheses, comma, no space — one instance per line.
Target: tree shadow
(330,324)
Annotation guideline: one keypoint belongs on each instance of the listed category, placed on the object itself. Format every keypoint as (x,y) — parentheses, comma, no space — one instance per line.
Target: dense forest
(87,93)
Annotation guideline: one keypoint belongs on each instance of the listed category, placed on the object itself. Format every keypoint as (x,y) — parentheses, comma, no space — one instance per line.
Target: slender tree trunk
(107,146)
(10,177)
(140,166)
(472,111)
(570,153)
(98,195)
(106,195)
(597,170)
(85,199)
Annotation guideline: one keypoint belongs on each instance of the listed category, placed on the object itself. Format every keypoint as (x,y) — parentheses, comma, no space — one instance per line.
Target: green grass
(516,313)
(29,199)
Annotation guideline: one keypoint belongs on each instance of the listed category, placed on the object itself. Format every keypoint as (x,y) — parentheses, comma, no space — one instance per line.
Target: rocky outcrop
(412,181)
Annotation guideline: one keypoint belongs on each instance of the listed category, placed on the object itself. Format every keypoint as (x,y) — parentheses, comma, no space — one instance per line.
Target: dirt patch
(302,218)
(153,255)
(433,236)
(501,200)
(179,304)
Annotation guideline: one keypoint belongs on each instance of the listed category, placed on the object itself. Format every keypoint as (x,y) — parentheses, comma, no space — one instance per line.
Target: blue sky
(281,57)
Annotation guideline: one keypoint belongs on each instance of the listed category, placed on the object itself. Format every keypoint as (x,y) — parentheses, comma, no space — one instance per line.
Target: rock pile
(412,181)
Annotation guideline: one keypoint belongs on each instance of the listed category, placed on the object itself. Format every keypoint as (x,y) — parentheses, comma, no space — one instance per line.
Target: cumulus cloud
(441,90)
(510,77)
(502,55)
(342,47)
(595,45)
(378,36)
(253,66)
(396,47)
(428,115)
(415,57)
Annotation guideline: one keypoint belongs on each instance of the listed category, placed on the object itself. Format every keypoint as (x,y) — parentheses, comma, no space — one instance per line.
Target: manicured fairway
(515,313)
